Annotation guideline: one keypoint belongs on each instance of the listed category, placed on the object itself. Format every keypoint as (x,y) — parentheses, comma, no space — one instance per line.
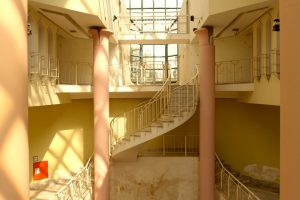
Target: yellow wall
(41,90)
(118,106)
(247,134)
(62,135)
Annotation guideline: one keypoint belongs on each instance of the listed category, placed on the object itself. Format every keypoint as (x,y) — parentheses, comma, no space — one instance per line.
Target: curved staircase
(168,109)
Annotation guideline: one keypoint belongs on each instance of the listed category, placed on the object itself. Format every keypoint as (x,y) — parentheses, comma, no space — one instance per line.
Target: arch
(258,51)
(42,49)
(268,27)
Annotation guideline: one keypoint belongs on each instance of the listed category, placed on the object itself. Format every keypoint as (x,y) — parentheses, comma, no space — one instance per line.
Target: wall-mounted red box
(40,170)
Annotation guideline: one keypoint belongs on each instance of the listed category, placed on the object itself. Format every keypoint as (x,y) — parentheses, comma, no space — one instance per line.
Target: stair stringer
(128,149)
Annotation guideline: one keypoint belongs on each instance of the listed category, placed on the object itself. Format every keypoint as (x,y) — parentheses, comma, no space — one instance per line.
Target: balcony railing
(75,73)
(81,73)
(39,67)
(234,72)
(267,64)
(172,145)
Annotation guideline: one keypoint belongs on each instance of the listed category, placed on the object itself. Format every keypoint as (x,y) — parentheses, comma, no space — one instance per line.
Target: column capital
(99,34)
(204,35)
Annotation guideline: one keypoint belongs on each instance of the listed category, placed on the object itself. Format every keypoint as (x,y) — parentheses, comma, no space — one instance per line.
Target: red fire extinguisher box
(40,170)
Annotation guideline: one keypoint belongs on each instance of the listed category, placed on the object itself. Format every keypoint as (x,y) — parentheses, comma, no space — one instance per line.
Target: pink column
(289,99)
(207,116)
(101,113)
(14,161)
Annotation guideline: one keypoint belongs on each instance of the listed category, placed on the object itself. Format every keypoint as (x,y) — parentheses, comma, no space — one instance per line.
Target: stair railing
(79,186)
(166,101)
(140,117)
(229,185)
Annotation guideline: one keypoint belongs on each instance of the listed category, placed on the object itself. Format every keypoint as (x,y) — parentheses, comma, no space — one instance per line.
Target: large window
(154,63)
(154,16)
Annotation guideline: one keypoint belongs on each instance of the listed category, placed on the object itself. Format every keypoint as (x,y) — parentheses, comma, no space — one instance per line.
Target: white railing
(39,67)
(34,63)
(230,186)
(75,73)
(152,73)
(53,68)
(153,22)
(172,145)
(81,73)
(267,64)
(234,72)
(80,185)
(168,101)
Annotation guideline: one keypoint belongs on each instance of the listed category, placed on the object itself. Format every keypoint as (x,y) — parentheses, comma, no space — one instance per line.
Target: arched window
(258,52)
(33,56)
(42,50)
(268,48)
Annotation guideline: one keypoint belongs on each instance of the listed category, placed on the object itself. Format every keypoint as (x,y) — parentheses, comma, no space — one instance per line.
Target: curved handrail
(78,184)
(239,184)
(143,115)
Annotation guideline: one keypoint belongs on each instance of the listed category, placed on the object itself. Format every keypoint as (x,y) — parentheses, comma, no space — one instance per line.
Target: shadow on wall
(247,134)
(61,135)
(43,93)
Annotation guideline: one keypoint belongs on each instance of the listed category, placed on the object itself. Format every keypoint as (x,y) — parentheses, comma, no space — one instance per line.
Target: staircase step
(157,124)
(147,129)
(126,139)
(136,135)
(166,120)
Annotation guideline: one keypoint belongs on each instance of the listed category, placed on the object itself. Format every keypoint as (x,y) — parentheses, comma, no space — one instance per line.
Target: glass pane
(159,3)
(172,49)
(135,4)
(147,3)
(159,50)
(127,3)
(148,50)
(171,3)
(179,3)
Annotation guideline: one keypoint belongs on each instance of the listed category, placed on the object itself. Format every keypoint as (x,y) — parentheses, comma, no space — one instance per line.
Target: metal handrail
(78,185)
(166,101)
(239,188)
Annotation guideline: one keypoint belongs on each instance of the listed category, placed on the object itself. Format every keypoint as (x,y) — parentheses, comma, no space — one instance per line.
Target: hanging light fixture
(276,25)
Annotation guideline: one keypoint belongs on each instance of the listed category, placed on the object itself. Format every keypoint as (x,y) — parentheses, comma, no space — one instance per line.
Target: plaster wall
(266,91)
(41,89)
(247,134)
(62,135)
(169,178)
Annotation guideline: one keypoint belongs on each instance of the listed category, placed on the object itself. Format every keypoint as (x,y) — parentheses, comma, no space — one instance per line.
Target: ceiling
(72,22)
(237,21)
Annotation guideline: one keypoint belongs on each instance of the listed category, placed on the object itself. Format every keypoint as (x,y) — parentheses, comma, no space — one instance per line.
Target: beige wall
(75,49)
(62,135)
(188,58)
(41,90)
(265,91)
(247,134)
(118,106)
(233,48)
(155,178)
